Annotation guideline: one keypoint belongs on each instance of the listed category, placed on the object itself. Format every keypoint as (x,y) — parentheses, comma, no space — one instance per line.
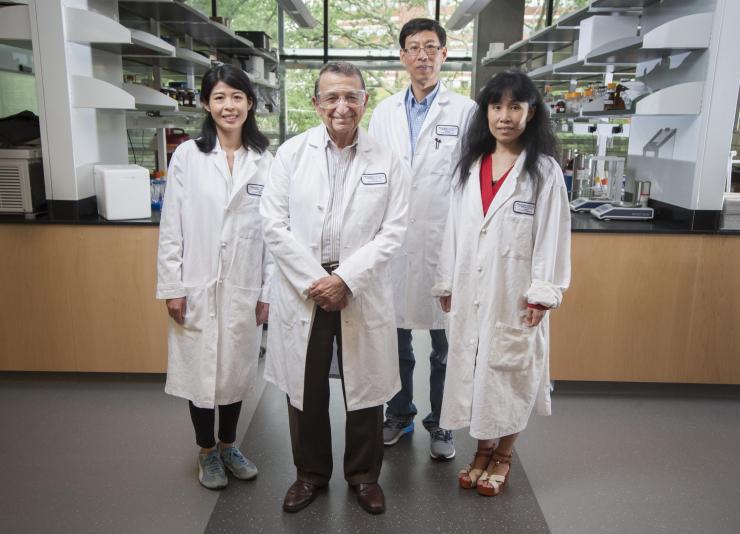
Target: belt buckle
(331,267)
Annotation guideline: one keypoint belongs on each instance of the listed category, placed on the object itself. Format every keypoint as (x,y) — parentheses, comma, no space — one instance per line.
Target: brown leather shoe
(300,495)
(370,496)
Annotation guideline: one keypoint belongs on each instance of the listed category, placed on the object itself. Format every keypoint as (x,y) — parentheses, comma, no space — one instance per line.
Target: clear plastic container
(606,174)
(157,187)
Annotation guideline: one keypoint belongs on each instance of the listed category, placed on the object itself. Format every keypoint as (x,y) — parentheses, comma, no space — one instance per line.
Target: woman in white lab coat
(504,263)
(213,269)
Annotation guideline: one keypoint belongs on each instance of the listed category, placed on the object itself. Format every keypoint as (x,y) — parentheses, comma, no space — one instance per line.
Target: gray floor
(92,453)
(421,495)
(114,454)
(637,459)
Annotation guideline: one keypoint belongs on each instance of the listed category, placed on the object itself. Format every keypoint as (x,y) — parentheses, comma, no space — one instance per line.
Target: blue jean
(402,404)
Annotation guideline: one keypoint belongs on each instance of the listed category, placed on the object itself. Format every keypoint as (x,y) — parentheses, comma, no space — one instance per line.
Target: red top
(488,192)
(487,189)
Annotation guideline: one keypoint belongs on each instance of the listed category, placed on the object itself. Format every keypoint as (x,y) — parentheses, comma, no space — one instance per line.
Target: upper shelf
(98,94)
(679,35)
(185,61)
(184,19)
(263,83)
(553,38)
(612,5)
(15,26)
(85,26)
(680,99)
(524,51)
(563,33)
(142,44)
(575,66)
(148,99)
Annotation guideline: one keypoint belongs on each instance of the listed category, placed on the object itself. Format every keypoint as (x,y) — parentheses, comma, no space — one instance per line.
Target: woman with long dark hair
(504,263)
(214,271)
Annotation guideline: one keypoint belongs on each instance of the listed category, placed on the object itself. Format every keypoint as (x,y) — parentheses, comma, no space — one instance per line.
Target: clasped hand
(329,293)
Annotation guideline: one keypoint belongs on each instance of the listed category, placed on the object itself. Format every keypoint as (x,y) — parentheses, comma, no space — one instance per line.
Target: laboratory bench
(648,302)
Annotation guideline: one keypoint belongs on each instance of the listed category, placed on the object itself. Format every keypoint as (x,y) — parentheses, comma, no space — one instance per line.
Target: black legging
(204,419)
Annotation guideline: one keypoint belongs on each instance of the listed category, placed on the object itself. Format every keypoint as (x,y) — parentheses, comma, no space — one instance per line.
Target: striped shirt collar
(329,143)
(411,102)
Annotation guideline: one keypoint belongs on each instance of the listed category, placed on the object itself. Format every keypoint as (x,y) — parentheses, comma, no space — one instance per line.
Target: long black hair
(236,78)
(537,138)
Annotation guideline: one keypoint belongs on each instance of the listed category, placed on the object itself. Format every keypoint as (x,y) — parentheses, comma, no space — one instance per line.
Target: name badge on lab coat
(526,208)
(255,189)
(450,130)
(377,178)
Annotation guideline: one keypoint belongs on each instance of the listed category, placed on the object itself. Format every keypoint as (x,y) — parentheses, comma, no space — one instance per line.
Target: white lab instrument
(22,181)
(608,212)
(122,192)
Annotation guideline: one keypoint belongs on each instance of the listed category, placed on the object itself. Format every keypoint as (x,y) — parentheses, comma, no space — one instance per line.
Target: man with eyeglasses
(425,123)
(334,213)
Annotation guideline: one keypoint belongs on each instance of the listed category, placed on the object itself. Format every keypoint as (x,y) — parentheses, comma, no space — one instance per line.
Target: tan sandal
(468,477)
(490,484)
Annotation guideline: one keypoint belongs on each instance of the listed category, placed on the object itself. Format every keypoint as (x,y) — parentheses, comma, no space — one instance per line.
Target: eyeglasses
(353,99)
(431,50)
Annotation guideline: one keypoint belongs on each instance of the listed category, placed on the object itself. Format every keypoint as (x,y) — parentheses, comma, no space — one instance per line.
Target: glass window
(17,93)
(459,42)
(372,23)
(307,38)
(535,13)
(379,83)
(299,90)
(254,15)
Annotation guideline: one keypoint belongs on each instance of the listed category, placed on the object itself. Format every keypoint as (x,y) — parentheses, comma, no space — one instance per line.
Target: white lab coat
(212,252)
(493,266)
(431,174)
(375,211)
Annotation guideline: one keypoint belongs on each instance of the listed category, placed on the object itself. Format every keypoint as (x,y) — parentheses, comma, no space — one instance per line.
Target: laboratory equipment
(636,210)
(22,188)
(598,182)
(122,192)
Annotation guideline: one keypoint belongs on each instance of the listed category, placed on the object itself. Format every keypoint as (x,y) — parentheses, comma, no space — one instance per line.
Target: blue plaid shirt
(416,112)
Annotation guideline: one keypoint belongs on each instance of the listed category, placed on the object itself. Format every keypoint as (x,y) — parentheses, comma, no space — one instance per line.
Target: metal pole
(281,70)
(436,10)
(550,9)
(214,8)
(326,31)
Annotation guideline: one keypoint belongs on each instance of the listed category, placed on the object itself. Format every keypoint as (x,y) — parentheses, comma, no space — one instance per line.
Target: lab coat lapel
(403,124)
(317,149)
(244,172)
(358,167)
(428,129)
(219,160)
(507,189)
(473,192)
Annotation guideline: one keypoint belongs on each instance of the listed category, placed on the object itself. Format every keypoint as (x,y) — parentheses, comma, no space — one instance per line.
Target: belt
(330,267)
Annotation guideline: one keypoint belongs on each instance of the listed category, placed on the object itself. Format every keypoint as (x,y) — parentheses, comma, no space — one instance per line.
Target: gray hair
(345,68)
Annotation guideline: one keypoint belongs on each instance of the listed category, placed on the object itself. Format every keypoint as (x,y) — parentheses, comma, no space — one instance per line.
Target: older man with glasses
(425,124)
(334,213)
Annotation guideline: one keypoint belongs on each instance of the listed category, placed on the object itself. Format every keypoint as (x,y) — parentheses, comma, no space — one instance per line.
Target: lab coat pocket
(374,308)
(517,236)
(196,308)
(242,303)
(512,348)
(246,264)
(370,202)
(283,306)
(248,198)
